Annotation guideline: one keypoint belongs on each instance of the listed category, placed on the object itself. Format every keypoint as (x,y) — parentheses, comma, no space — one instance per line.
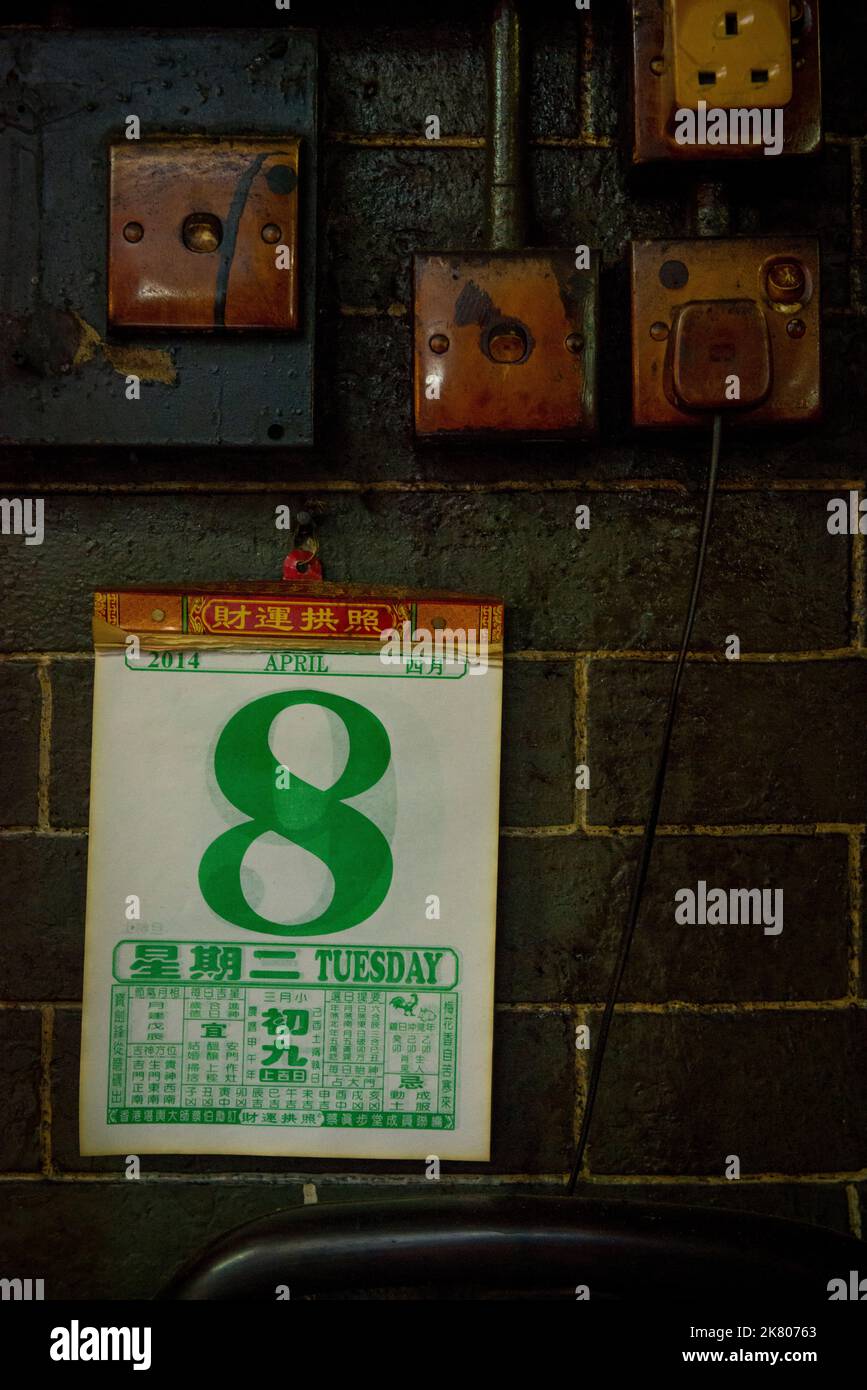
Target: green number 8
(348,843)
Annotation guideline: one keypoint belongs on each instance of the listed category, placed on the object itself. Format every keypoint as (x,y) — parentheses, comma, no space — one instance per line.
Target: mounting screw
(659,331)
(796,328)
(439,343)
(657,67)
(575,342)
(133,231)
(271,232)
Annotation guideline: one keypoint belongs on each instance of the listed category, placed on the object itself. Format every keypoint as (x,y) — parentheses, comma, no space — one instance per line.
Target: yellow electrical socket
(730,54)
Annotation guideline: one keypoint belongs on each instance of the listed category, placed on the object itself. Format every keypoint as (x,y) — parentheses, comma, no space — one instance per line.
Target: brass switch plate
(198,229)
(663,76)
(708,309)
(505,343)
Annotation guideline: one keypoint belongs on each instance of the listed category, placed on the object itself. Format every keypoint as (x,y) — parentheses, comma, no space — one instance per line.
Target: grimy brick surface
(728,1041)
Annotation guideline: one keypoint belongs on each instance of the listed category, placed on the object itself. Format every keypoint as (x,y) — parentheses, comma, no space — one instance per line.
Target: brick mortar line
(396,141)
(406,485)
(696,657)
(538,832)
(720,658)
(857,182)
(587,139)
(395,310)
(580,732)
(580,1074)
(813,828)
(686,1006)
(452,1179)
(582,1081)
(292,1178)
(619,832)
(714,1180)
(46,1055)
(47,655)
(50,832)
(393,140)
(585,65)
(858,595)
(46,719)
(30,1005)
(855,903)
(854,1207)
(574,142)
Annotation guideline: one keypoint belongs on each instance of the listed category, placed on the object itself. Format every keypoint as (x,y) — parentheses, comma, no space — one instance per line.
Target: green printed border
(309,675)
(333,1119)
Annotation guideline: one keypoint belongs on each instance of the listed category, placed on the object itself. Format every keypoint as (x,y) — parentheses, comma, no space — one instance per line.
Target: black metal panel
(62,376)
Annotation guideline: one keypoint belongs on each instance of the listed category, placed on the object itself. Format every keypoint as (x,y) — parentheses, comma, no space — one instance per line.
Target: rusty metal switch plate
(505,343)
(707,311)
(203,234)
(747,57)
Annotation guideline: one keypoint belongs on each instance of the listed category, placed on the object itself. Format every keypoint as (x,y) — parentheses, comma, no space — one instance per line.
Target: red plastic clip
(302,564)
(303,561)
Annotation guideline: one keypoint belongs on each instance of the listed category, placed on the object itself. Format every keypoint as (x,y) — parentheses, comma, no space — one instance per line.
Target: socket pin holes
(725,81)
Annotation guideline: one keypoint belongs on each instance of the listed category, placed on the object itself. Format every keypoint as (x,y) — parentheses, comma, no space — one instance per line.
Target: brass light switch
(505,343)
(203,234)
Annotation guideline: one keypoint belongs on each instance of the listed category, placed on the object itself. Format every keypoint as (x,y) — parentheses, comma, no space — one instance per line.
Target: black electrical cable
(653,817)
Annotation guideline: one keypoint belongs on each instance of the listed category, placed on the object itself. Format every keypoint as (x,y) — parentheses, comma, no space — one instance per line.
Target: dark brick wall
(727,1041)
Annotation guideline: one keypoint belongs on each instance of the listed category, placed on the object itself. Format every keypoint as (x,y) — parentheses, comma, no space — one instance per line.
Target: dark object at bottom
(519,1246)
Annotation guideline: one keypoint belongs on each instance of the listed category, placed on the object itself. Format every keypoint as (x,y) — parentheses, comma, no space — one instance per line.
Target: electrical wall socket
(725,324)
(759,56)
(735,56)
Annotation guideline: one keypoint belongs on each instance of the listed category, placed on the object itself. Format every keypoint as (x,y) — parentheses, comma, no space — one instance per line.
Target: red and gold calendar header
(290,612)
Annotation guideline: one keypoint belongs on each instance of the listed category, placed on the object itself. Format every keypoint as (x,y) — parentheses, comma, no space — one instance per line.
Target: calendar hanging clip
(303,561)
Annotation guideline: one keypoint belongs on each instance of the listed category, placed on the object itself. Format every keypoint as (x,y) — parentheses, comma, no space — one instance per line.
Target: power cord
(653,817)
